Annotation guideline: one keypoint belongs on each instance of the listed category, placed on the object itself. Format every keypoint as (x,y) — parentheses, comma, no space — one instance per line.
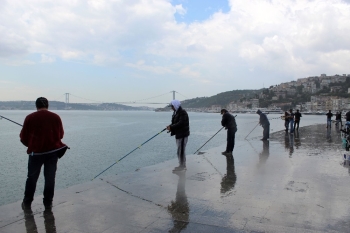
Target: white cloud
(180,10)
(256,38)
(47,59)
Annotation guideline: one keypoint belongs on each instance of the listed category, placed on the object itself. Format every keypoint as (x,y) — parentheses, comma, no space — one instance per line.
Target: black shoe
(227,153)
(263,139)
(176,168)
(224,152)
(26,206)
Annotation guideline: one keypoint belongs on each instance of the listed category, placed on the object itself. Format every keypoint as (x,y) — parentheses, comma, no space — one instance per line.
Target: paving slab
(291,183)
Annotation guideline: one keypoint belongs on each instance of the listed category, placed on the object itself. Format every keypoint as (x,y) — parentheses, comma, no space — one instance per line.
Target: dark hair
(223,111)
(41,102)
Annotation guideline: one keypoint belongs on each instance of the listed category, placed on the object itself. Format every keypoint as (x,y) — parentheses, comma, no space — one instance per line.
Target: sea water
(99,138)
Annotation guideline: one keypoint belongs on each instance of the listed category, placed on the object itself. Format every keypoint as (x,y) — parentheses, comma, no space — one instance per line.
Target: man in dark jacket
(297,116)
(229,122)
(264,122)
(179,127)
(42,133)
(329,118)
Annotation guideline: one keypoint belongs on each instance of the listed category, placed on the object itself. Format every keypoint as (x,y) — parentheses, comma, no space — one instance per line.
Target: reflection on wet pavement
(310,137)
(264,155)
(291,183)
(31,226)
(179,209)
(30,221)
(229,179)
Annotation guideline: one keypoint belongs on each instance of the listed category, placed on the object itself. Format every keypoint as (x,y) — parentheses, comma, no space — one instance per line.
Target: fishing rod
(251,131)
(128,153)
(209,140)
(10,120)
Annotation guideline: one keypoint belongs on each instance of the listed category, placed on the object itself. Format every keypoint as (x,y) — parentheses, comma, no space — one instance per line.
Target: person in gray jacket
(229,122)
(264,122)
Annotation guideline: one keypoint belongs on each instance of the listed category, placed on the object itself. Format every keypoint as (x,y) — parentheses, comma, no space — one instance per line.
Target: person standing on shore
(229,122)
(329,119)
(286,120)
(297,116)
(179,127)
(264,122)
(347,116)
(338,119)
(42,133)
(291,121)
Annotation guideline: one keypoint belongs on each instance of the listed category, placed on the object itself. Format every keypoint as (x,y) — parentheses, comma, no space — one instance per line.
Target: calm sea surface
(98,139)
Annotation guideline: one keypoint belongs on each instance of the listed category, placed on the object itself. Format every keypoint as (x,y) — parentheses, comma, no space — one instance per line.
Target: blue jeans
(35,163)
(291,126)
(329,123)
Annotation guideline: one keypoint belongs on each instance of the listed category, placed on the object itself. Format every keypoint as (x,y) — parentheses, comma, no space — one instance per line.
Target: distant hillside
(55,105)
(222,99)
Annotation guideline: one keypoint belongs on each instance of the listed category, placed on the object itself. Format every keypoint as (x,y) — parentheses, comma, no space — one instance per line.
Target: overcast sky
(130,50)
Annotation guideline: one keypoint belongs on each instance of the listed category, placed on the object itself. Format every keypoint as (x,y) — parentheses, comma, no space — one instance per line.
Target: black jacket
(180,124)
(228,121)
(263,118)
(347,116)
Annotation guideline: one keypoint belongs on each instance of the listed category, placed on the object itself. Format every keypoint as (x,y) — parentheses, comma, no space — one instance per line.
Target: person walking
(329,119)
(297,116)
(291,121)
(42,133)
(179,127)
(229,122)
(264,122)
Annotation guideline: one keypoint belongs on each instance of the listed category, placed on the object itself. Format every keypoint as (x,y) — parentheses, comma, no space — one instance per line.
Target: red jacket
(42,132)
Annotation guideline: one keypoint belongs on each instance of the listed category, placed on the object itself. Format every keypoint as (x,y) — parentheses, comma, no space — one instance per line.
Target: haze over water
(98,139)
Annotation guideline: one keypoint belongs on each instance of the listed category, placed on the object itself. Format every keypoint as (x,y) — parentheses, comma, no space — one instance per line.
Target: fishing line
(129,153)
(213,166)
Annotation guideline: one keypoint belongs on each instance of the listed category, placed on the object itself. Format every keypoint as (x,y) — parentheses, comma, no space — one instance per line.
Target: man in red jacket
(42,133)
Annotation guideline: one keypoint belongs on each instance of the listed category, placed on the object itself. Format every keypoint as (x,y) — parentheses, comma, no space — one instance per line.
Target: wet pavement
(292,183)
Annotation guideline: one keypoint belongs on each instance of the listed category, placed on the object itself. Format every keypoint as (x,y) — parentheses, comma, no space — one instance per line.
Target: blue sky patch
(200,10)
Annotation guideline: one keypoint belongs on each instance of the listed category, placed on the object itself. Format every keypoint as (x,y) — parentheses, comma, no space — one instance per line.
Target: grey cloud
(12,49)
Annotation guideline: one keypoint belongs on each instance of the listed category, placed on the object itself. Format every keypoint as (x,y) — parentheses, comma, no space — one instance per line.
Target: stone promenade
(292,183)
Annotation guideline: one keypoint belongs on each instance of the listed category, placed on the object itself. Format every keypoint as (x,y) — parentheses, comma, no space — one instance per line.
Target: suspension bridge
(67,97)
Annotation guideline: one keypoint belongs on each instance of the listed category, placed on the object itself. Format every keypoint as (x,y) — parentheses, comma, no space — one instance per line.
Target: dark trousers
(231,132)
(266,132)
(35,163)
(296,122)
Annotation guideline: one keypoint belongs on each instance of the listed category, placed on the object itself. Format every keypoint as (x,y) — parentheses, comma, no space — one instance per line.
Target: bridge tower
(67,100)
(173,94)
